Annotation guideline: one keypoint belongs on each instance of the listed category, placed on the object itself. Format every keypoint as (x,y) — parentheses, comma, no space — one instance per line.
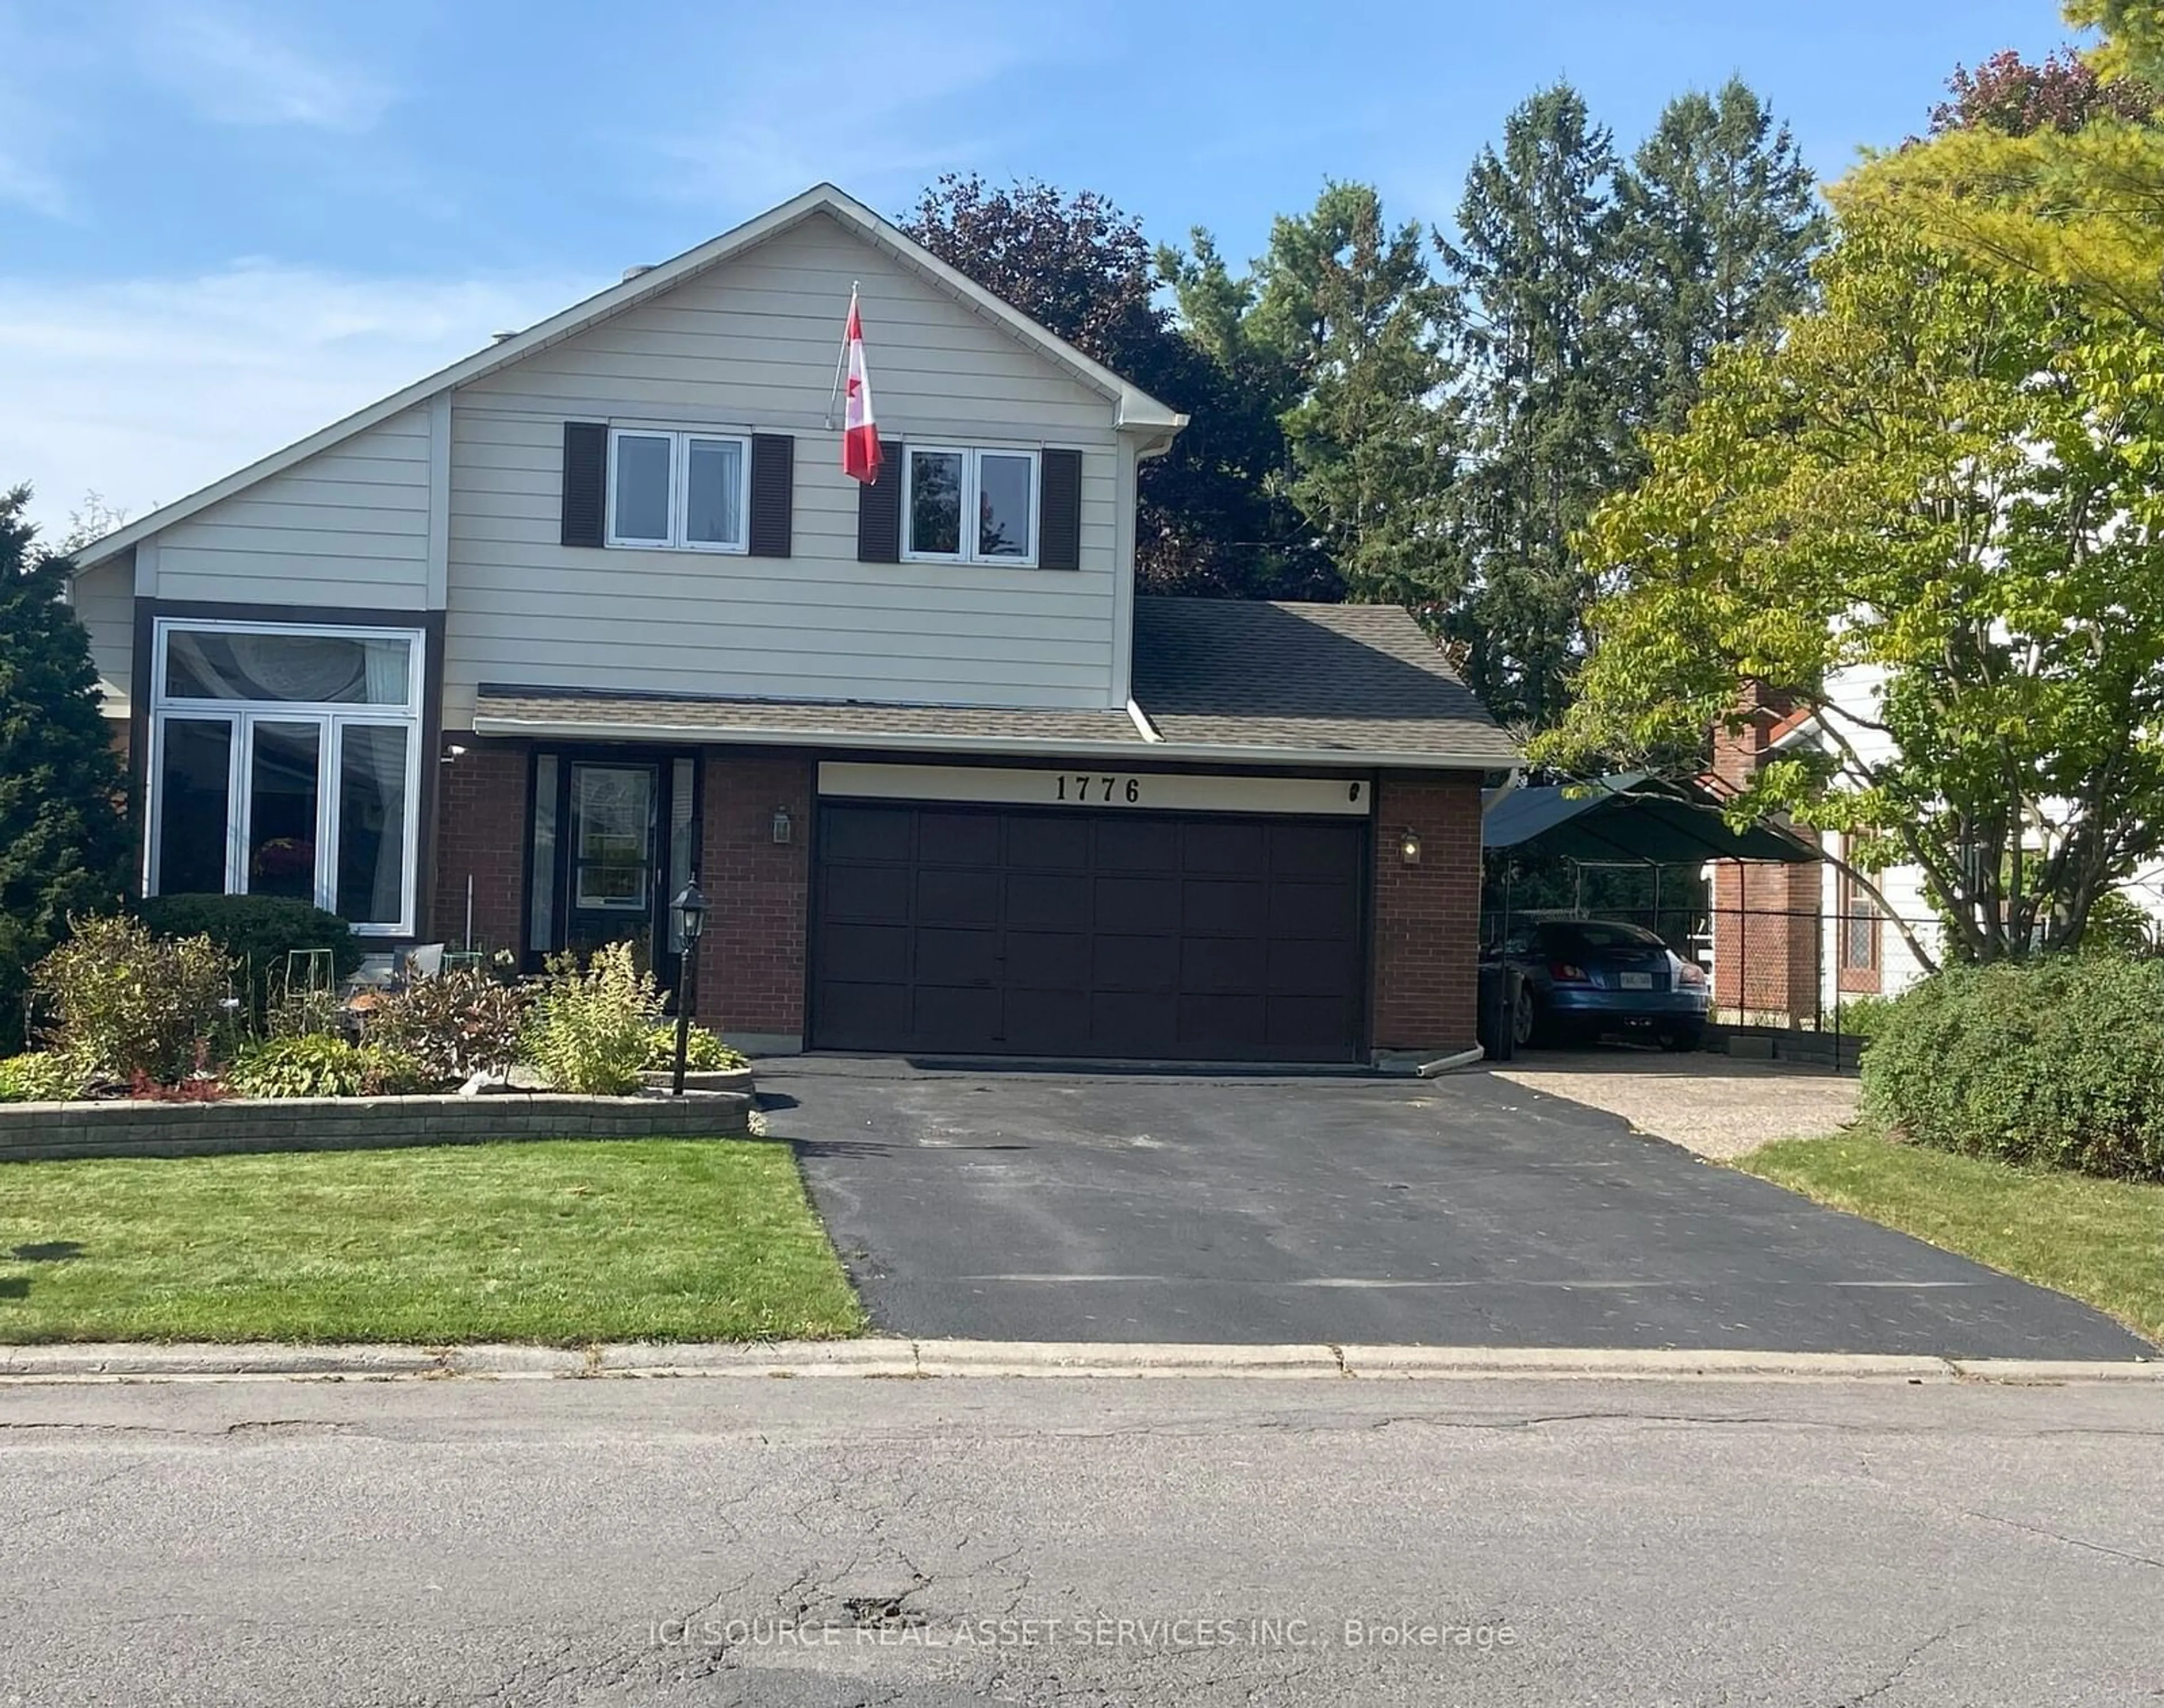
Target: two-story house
(507,658)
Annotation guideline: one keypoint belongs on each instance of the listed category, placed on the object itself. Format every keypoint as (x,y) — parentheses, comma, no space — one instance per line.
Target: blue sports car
(1584,977)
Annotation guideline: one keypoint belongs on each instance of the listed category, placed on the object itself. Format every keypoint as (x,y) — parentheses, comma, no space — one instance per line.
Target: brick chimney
(1766,914)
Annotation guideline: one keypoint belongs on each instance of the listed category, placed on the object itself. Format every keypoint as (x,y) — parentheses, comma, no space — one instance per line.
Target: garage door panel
(1233,848)
(1297,1025)
(873,894)
(1313,970)
(957,839)
(1053,845)
(1136,844)
(878,954)
(956,898)
(1225,906)
(866,834)
(1048,899)
(1048,959)
(965,929)
(1135,963)
(948,955)
(1301,909)
(1226,966)
(854,1016)
(1137,905)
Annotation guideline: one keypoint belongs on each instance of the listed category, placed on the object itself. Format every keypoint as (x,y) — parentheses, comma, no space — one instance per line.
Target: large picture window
(970,505)
(285,760)
(686,492)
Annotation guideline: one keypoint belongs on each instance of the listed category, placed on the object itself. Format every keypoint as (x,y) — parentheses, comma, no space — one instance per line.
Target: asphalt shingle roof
(1359,678)
(1344,681)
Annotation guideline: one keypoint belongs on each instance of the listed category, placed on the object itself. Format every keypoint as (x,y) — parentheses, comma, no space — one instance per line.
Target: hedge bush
(258,931)
(703,1051)
(2056,1062)
(129,1003)
(590,1028)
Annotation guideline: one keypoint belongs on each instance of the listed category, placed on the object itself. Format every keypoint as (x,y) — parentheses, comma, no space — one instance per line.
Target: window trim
(972,456)
(680,489)
(331,718)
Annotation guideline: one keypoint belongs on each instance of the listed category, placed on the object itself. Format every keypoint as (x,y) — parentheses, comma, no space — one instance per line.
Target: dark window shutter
(586,481)
(773,494)
(1059,511)
(878,511)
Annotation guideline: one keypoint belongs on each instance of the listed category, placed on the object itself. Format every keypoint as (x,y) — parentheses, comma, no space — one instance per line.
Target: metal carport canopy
(1629,819)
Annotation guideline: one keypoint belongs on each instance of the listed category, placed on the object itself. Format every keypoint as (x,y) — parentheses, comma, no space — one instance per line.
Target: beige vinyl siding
(750,346)
(349,526)
(104,598)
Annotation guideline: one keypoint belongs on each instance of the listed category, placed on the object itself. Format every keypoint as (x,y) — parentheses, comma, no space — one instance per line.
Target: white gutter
(895,741)
(1142,725)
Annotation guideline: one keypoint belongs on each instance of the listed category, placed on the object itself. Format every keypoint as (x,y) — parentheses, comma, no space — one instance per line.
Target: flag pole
(841,358)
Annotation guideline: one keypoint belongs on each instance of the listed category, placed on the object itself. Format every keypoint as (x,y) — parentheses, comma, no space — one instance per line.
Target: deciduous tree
(1931,515)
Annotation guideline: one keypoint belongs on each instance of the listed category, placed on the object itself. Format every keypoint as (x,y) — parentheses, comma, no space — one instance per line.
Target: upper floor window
(970,505)
(686,491)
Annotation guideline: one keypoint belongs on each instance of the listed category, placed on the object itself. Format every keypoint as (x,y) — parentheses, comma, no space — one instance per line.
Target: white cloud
(235,72)
(145,390)
(885,102)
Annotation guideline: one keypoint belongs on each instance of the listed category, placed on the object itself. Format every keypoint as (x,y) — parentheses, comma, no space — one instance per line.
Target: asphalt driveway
(1461,1211)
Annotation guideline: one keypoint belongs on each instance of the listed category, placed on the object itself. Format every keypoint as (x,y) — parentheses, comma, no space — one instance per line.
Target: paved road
(294,1545)
(1464,1211)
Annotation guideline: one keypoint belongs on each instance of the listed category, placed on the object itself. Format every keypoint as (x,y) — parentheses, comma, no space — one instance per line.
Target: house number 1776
(1079,787)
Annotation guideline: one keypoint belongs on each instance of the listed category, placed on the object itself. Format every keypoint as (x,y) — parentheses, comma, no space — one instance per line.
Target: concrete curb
(893,1358)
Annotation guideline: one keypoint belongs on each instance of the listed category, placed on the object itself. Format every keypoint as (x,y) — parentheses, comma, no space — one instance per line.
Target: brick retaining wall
(35,1131)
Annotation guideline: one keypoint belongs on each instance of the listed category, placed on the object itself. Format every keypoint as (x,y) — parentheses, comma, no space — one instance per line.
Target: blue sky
(223,222)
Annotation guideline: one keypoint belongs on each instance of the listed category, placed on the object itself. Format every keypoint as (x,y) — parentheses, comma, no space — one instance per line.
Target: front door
(613,888)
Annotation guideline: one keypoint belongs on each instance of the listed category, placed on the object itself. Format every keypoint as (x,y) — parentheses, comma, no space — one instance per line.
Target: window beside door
(286,761)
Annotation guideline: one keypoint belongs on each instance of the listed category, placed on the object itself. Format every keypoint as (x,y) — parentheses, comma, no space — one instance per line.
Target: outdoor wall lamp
(1409,846)
(690,908)
(781,825)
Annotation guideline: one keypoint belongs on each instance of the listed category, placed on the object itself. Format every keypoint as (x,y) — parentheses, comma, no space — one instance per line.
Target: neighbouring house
(1795,944)
(508,658)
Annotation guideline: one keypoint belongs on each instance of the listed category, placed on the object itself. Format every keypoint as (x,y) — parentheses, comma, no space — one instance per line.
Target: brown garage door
(967,930)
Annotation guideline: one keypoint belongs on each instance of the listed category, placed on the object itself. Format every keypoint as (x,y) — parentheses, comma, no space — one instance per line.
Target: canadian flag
(861,445)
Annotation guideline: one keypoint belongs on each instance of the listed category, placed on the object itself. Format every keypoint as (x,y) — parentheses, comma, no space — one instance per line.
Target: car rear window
(1603,934)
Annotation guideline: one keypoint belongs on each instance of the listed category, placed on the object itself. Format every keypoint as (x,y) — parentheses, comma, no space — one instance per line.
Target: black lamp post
(690,908)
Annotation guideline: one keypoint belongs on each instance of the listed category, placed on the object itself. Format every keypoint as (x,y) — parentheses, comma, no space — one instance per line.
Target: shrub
(129,1003)
(457,1024)
(702,1050)
(591,1030)
(1864,1016)
(2056,1062)
(258,932)
(39,1077)
(318,1066)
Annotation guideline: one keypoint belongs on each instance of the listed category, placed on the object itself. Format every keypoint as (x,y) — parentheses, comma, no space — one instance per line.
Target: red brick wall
(751,960)
(481,828)
(1766,915)
(1428,917)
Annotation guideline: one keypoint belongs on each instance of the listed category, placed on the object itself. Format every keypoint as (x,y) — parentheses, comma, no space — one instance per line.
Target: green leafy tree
(1548,392)
(64,841)
(1718,224)
(1929,516)
(2036,178)
(1205,521)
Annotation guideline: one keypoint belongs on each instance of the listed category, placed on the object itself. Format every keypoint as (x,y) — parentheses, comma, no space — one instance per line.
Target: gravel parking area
(1714,1105)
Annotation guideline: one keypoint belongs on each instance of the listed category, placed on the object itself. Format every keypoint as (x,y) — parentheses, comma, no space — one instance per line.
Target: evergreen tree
(1718,227)
(64,843)
(1344,327)
(1549,392)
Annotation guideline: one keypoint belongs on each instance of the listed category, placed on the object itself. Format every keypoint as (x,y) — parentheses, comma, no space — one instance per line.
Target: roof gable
(1133,409)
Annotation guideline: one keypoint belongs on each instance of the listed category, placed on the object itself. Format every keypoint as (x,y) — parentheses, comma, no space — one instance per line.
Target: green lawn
(563,1242)
(2099,1240)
